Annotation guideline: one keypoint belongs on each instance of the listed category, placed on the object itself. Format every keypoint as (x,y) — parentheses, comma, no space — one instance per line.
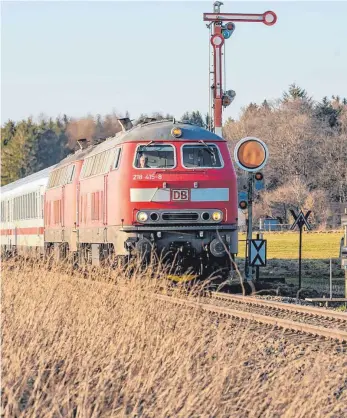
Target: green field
(285,245)
(318,248)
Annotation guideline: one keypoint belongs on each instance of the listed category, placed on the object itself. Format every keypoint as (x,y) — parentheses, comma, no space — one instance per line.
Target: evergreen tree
(265,105)
(65,120)
(296,93)
(252,107)
(195,118)
(185,117)
(7,132)
(326,112)
(99,132)
(208,122)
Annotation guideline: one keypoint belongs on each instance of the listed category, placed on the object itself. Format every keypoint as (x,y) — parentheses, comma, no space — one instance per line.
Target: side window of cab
(117,158)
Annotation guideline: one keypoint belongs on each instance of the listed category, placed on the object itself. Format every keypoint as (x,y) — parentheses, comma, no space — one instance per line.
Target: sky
(98,57)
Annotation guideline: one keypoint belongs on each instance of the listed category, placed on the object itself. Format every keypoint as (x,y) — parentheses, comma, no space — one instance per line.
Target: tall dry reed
(96,345)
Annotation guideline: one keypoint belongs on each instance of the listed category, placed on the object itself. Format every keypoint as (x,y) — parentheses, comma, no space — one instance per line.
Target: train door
(74,231)
(70,206)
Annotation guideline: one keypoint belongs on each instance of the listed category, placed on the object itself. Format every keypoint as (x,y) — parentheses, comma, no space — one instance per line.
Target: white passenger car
(22,217)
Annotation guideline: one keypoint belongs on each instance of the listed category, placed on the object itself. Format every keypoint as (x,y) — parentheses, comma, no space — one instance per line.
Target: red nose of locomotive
(183,193)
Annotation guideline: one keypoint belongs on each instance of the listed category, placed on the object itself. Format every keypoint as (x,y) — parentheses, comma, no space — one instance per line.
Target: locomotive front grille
(180,216)
(184,216)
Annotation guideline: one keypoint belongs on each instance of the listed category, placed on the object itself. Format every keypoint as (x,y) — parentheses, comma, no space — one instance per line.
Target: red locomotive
(160,185)
(163,185)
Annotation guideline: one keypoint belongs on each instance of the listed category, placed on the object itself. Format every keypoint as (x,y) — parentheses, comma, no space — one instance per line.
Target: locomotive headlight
(217,216)
(142,216)
(176,132)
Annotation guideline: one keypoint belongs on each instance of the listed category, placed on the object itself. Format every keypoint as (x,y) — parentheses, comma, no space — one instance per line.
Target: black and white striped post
(300,220)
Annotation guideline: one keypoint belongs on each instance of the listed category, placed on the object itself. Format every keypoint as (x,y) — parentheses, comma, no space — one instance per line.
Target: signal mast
(219,32)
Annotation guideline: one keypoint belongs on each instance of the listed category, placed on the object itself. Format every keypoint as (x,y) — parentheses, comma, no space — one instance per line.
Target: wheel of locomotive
(7,253)
(107,257)
(84,258)
(48,254)
(65,253)
(121,262)
(74,258)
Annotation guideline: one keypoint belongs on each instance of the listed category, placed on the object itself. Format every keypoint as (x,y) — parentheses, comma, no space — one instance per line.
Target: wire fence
(316,228)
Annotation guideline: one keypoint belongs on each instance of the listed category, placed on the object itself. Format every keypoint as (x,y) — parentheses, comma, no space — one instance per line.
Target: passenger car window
(197,155)
(155,156)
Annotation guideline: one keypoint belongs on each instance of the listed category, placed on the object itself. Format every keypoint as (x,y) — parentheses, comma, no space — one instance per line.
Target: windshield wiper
(207,147)
(149,143)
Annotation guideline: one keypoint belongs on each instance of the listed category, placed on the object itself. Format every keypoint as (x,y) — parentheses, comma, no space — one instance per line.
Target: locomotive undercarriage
(199,251)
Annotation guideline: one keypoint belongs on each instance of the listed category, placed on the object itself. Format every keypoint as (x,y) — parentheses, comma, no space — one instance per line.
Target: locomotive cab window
(201,156)
(155,156)
(70,175)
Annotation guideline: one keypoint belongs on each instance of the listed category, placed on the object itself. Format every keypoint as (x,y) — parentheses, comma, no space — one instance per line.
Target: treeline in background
(307,142)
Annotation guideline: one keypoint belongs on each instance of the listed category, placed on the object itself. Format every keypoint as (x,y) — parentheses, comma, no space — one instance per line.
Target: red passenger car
(163,185)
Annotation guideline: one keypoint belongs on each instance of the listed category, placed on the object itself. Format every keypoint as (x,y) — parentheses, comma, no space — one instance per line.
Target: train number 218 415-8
(147,176)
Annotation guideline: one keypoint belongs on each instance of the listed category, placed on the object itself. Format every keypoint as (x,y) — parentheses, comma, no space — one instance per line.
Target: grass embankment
(285,245)
(100,347)
(318,248)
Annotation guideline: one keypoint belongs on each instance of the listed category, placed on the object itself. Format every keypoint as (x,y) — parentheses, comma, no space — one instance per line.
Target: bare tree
(80,128)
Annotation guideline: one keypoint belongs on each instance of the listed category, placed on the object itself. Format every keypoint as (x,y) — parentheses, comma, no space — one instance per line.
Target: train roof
(36,179)
(152,131)
(161,130)
(157,130)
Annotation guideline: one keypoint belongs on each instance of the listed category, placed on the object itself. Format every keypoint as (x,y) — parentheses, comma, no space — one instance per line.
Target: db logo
(180,195)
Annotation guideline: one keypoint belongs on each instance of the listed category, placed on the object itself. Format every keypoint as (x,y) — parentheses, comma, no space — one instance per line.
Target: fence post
(331,280)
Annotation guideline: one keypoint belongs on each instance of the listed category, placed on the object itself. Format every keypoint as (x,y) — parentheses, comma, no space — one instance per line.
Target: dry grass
(81,347)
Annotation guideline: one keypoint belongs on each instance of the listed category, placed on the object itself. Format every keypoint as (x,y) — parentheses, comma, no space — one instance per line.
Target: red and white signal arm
(251,154)
(269,18)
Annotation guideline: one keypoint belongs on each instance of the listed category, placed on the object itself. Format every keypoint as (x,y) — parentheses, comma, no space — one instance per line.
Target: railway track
(305,320)
(280,310)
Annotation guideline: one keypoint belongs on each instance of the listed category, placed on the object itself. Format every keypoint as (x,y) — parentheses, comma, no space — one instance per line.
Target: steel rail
(268,320)
(281,305)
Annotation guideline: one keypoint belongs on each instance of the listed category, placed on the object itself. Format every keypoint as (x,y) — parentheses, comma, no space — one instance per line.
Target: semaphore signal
(219,33)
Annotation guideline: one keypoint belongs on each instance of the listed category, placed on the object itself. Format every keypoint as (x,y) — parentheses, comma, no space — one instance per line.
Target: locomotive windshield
(155,156)
(204,155)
